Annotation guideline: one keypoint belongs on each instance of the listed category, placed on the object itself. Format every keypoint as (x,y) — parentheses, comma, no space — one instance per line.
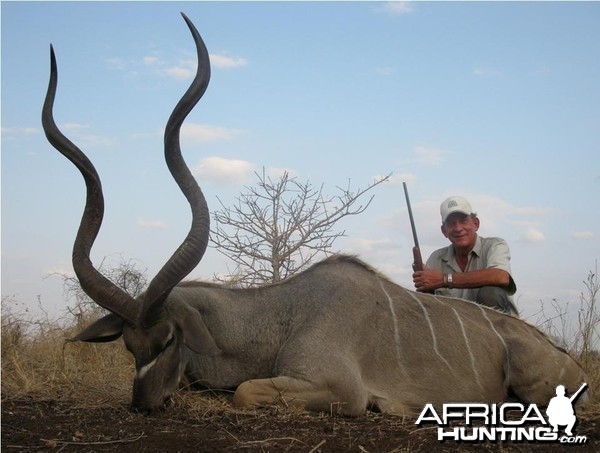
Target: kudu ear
(196,335)
(108,328)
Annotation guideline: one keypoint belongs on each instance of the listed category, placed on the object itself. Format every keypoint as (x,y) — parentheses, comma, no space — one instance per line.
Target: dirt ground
(30,425)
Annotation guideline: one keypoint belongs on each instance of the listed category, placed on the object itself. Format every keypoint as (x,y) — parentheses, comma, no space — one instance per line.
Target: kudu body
(337,337)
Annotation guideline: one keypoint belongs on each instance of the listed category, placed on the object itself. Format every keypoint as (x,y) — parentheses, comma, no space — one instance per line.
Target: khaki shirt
(487,253)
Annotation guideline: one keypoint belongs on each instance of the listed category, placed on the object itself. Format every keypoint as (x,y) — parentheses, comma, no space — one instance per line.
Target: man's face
(461,230)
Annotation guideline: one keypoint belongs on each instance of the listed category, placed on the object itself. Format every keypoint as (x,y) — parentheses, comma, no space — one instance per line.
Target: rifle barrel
(410,216)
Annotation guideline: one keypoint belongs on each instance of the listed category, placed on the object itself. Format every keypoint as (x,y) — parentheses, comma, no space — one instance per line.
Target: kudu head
(155,331)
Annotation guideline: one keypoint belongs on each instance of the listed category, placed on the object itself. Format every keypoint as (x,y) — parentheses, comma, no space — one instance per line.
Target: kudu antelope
(338,337)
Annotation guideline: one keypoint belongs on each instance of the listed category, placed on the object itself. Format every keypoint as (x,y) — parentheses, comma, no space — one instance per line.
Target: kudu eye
(170,341)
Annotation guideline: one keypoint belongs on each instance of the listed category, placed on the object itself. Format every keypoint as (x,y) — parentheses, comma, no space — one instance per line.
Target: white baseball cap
(455,204)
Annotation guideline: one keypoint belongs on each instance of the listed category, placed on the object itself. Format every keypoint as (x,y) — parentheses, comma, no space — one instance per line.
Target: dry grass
(591,364)
(36,361)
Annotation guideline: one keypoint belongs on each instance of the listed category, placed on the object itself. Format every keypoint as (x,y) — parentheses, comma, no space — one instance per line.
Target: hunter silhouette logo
(560,409)
(516,422)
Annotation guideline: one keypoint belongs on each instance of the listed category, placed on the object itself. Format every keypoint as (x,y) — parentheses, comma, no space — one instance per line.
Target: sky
(495,101)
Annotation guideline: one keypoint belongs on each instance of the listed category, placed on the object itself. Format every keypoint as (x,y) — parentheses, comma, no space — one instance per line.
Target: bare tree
(278,227)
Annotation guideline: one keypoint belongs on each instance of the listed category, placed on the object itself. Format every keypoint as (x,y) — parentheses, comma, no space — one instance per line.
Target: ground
(30,425)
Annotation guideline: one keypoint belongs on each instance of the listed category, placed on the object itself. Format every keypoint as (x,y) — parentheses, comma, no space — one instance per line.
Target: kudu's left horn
(190,252)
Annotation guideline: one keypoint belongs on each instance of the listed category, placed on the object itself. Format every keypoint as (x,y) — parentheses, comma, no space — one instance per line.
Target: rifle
(575,395)
(417,259)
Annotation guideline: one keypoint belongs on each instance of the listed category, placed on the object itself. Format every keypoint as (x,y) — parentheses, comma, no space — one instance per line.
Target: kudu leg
(291,392)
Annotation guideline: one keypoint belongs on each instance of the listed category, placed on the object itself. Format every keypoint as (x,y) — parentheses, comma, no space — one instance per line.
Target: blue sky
(498,102)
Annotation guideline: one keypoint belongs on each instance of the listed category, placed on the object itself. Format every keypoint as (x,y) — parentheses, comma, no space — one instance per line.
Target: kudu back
(338,337)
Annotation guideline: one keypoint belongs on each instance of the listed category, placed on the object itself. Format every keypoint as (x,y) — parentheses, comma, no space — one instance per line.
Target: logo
(452,204)
(479,422)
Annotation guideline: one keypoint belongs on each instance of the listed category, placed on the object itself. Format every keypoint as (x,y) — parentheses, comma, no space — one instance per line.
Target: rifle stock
(417,259)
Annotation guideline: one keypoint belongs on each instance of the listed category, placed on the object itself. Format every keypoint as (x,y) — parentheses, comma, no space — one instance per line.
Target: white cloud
(226,62)
(224,171)
(489,204)
(395,8)
(429,156)
(204,133)
(152,224)
(19,131)
(151,61)
(179,72)
(219,170)
(583,235)
(70,127)
(183,69)
(186,69)
(74,131)
(93,141)
(425,155)
(533,235)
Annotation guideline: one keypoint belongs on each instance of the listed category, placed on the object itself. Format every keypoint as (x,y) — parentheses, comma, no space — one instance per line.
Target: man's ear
(195,333)
(443,228)
(108,328)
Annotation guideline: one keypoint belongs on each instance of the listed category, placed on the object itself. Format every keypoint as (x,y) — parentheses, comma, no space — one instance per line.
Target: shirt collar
(448,257)
(477,247)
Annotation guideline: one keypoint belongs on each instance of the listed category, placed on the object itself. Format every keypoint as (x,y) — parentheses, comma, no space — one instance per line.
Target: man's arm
(431,279)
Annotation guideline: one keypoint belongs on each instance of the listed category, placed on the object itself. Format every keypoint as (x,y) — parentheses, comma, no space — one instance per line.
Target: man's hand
(428,280)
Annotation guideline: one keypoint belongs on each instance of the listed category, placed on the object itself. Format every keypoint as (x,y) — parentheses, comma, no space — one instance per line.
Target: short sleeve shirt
(487,253)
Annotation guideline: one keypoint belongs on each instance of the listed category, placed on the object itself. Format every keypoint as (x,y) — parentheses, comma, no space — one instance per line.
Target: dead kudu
(339,337)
